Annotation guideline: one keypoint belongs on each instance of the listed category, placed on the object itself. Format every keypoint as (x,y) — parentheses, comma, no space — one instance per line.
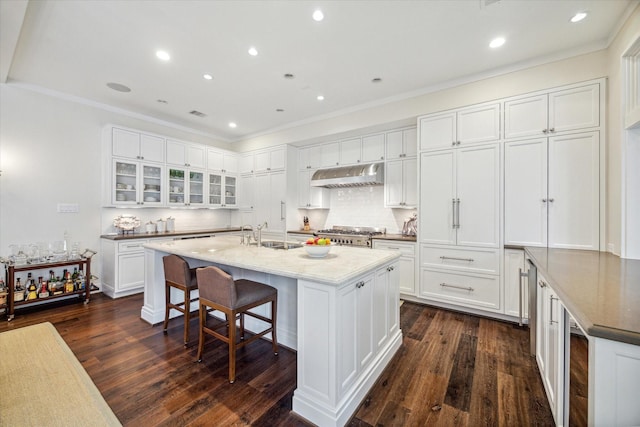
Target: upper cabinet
(552,113)
(350,151)
(270,160)
(309,157)
(401,144)
(465,126)
(134,145)
(330,155)
(185,154)
(373,148)
(220,161)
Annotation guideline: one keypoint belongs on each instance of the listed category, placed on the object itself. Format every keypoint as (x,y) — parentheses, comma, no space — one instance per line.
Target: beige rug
(43,384)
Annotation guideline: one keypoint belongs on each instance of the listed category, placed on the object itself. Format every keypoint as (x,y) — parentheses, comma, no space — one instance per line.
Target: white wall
(50,154)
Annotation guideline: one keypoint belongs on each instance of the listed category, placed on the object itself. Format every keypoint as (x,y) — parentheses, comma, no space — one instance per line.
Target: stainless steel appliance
(352,236)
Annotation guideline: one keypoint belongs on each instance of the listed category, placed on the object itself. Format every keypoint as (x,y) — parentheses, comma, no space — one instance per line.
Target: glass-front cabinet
(222,190)
(136,183)
(186,187)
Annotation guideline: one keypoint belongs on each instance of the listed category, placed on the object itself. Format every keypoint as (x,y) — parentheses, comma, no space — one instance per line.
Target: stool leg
(241,326)
(274,339)
(232,348)
(167,300)
(201,322)
(187,315)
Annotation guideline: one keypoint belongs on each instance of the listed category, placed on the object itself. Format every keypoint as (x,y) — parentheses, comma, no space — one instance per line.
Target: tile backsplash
(358,206)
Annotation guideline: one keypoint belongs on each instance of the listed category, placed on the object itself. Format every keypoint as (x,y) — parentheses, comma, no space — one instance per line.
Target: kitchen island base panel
(307,406)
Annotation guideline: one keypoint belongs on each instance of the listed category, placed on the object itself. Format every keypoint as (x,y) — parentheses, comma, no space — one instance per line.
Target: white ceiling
(77,47)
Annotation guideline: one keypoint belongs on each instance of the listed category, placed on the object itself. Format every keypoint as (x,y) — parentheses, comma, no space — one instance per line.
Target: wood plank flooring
(452,370)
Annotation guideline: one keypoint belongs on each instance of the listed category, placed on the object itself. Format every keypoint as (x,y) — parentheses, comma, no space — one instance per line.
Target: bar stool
(177,274)
(218,291)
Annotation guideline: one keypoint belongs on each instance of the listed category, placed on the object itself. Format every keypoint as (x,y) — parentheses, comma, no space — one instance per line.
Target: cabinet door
(478,196)
(516,296)
(196,156)
(176,153)
(151,184)
(576,108)
(177,186)
(246,199)
(393,298)
(393,181)
(304,187)
(215,188)
(437,197)
(407,266)
(381,301)
(125,143)
(130,271)
(230,190)
(478,124)
(215,160)
(246,164)
(410,142)
(364,321)
(394,145)
(437,131)
(277,200)
(330,155)
(542,326)
(350,151)
(525,192)
(196,188)
(277,159)
(525,117)
(373,148)
(309,158)
(574,196)
(151,148)
(125,183)
(230,163)
(262,161)
(410,182)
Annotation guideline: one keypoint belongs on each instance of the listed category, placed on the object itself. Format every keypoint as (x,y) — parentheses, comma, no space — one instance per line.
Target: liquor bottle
(18,294)
(43,290)
(32,289)
(80,280)
(68,285)
(74,274)
(52,282)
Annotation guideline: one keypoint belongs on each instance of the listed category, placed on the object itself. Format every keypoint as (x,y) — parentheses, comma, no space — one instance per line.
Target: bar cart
(12,270)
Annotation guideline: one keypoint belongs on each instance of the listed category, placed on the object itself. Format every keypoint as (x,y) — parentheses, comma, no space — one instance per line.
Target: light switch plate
(68,208)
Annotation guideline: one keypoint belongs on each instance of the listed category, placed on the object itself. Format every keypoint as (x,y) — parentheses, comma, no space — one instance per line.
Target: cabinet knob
(552,130)
(544,200)
(453,144)
(551,200)
(545,130)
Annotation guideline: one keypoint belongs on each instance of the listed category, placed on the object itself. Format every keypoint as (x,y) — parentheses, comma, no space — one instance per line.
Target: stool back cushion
(176,270)
(217,286)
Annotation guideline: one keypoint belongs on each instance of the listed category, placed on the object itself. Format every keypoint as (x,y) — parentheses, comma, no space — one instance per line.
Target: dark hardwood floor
(453,369)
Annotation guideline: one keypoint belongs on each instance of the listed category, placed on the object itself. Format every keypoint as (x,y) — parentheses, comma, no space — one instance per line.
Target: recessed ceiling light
(118,87)
(376,80)
(207,76)
(318,15)
(320,98)
(253,51)
(497,42)
(233,125)
(579,16)
(161,54)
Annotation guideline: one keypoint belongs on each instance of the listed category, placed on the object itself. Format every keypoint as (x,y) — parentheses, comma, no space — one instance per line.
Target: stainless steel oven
(352,236)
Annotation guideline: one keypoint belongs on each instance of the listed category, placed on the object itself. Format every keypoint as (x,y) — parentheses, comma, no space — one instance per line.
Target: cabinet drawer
(460,288)
(131,246)
(485,261)
(406,249)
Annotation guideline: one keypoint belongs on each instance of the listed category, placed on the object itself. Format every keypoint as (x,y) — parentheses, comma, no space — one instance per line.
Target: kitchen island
(340,313)
(601,292)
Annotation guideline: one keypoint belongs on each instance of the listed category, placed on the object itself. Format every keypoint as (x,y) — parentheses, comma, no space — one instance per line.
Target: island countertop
(600,290)
(339,266)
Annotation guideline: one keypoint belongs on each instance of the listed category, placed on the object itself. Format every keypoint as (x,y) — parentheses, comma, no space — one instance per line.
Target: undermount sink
(280,245)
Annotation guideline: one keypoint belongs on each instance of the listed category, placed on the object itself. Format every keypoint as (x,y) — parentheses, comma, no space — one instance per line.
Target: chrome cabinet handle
(544,200)
(446,285)
(552,130)
(520,302)
(281,210)
(551,321)
(457,213)
(457,259)
(360,284)
(453,213)
(545,130)
(390,268)
(551,200)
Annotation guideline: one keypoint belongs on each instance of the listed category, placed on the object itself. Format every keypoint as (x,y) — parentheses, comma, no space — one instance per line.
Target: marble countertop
(600,290)
(341,265)
(143,235)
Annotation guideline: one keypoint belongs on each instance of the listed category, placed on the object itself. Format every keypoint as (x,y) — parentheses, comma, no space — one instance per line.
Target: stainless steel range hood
(349,176)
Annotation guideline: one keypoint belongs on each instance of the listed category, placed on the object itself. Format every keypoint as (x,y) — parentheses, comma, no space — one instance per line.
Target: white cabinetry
(222,190)
(550,347)
(516,294)
(350,151)
(465,126)
(136,183)
(270,200)
(406,263)
(185,154)
(270,160)
(186,187)
(246,163)
(400,184)
(309,157)
(330,155)
(460,196)
(310,197)
(222,162)
(123,267)
(373,148)
(552,191)
(401,143)
(135,145)
(554,112)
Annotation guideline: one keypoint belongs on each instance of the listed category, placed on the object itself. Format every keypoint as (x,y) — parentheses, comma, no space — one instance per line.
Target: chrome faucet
(246,237)
(260,227)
